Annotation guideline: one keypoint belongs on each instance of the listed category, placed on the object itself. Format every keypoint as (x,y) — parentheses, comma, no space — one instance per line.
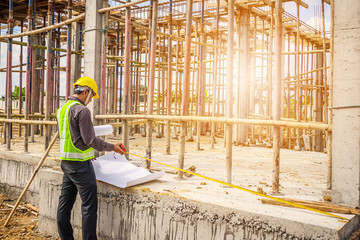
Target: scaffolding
(243,70)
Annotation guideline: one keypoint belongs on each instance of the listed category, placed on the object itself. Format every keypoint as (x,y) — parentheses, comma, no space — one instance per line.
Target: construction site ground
(23,224)
(302,175)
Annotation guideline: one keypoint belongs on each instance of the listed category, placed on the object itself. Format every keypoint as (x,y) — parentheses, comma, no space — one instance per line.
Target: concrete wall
(138,213)
(13,178)
(141,214)
(346,119)
(16,168)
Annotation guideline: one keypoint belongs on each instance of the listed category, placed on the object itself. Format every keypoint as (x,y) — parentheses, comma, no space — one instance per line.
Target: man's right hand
(118,149)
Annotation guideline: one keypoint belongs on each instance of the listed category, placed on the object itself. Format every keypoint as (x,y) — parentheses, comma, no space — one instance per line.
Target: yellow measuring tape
(245,189)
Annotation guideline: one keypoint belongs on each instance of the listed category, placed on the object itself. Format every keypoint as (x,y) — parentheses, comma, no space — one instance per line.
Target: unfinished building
(197,79)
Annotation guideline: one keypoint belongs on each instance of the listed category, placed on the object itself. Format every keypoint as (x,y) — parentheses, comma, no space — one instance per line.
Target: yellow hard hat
(87,82)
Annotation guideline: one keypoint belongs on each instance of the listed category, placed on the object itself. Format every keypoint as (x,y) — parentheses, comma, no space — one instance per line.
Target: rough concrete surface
(195,208)
(346,112)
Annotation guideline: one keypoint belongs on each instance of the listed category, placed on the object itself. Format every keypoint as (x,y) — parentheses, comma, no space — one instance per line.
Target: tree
(15,94)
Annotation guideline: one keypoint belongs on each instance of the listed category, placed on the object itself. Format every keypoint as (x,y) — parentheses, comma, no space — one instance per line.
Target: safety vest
(67,149)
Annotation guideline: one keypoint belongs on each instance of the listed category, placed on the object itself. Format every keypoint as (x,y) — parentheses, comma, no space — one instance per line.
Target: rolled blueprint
(103,130)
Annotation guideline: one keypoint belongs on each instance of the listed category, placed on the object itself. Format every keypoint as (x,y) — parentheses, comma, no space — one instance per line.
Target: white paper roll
(103,130)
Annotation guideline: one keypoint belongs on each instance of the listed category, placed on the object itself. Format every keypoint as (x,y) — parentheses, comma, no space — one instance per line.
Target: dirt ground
(23,225)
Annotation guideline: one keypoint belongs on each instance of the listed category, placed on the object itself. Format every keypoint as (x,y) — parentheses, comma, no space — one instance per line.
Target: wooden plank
(300,2)
(222,4)
(214,16)
(323,206)
(290,25)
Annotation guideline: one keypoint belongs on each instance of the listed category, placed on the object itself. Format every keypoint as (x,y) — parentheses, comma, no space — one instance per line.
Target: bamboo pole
(57,59)
(121,74)
(31,179)
(34,79)
(49,73)
(177,73)
(104,39)
(288,132)
(269,73)
(137,76)
(261,102)
(253,81)
(117,52)
(151,81)
(42,81)
(45,29)
(186,87)
(277,96)
(169,80)
(297,72)
(21,77)
(229,90)
(158,135)
(127,79)
(9,78)
(68,52)
(163,72)
(279,123)
(329,134)
(213,114)
(126,5)
(28,77)
(324,62)
(28,122)
(243,74)
(202,73)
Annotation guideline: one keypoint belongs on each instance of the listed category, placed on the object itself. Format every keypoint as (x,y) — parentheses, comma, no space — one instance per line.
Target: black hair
(79,89)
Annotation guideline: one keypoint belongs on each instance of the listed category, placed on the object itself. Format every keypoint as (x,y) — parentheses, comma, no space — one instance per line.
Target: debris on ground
(23,224)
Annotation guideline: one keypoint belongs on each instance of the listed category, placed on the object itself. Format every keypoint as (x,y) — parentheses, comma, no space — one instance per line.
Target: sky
(306,15)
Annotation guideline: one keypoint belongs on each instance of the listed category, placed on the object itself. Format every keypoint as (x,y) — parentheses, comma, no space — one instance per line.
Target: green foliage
(16,94)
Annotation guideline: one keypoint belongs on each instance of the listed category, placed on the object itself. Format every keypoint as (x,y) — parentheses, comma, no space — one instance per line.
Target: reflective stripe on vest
(67,149)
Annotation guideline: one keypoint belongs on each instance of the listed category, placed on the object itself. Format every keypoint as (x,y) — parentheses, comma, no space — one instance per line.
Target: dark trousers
(78,177)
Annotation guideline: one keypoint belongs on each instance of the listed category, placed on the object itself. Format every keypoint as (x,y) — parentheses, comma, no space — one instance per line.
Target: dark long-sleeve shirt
(82,129)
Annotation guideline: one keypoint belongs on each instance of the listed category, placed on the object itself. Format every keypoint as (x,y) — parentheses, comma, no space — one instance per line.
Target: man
(77,141)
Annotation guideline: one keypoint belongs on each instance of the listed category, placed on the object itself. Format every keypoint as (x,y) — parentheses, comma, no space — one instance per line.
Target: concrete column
(346,102)
(75,59)
(92,51)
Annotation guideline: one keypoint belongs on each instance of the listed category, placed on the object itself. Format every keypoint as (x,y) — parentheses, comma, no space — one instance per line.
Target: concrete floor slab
(303,177)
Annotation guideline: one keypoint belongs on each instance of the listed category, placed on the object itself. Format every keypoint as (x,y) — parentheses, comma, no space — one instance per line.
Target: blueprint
(116,170)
